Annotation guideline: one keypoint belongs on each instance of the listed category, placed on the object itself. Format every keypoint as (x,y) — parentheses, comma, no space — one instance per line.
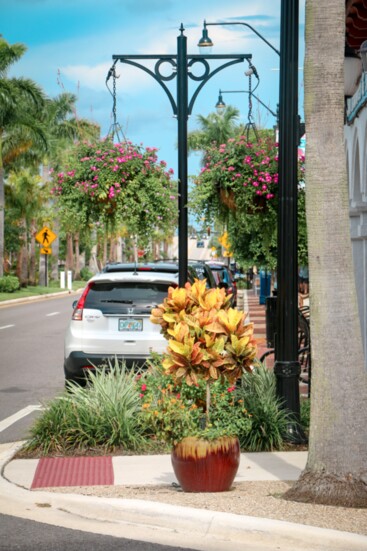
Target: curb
(35,298)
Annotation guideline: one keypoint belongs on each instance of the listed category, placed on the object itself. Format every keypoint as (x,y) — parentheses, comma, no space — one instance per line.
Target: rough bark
(32,255)
(69,252)
(22,261)
(2,214)
(336,470)
(77,256)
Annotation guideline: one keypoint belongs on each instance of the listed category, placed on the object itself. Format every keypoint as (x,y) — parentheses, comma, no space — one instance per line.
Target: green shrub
(9,284)
(268,420)
(85,274)
(171,412)
(120,409)
(104,415)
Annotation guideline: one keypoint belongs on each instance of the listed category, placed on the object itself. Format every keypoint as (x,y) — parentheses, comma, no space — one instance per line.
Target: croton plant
(207,339)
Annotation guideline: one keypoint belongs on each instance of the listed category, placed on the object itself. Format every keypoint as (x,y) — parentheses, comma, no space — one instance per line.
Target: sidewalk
(22,494)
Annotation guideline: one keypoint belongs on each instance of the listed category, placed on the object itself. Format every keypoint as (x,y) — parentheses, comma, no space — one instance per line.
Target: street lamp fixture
(220,103)
(206,42)
(181,65)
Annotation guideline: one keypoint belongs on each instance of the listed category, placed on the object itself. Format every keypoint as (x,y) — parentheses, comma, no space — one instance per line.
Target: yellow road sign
(45,237)
(46,250)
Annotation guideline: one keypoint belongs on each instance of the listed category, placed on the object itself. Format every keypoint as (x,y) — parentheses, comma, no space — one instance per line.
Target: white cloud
(94,77)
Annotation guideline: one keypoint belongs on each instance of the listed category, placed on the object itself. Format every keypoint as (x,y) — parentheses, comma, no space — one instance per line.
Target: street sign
(45,237)
(46,250)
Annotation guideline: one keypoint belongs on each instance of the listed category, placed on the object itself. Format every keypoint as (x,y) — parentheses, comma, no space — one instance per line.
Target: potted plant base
(202,465)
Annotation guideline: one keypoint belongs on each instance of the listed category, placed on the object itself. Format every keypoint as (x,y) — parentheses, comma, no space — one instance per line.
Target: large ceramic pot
(206,465)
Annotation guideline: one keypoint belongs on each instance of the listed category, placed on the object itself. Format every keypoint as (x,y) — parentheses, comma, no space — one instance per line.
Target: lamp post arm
(264,105)
(210,75)
(250,27)
(158,77)
(253,95)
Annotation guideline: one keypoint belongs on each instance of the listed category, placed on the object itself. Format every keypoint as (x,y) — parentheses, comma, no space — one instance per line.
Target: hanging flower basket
(227,198)
(259,205)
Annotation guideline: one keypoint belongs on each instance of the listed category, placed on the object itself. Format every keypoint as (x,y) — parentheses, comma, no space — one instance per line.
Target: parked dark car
(159,266)
(224,278)
(204,272)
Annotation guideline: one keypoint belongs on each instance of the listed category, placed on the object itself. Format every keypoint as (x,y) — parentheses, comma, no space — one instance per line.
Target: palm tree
(20,130)
(63,129)
(216,127)
(63,126)
(25,198)
(336,470)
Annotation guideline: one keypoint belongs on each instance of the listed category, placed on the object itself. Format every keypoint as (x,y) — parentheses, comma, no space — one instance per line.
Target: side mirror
(74,304)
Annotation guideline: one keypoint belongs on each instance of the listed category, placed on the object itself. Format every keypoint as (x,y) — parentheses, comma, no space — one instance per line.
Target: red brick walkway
(257,316)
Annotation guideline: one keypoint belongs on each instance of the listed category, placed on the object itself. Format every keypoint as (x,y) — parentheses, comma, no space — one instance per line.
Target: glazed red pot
(206,465)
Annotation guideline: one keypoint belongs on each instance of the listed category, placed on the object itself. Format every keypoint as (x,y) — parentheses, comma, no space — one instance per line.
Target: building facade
(356,155)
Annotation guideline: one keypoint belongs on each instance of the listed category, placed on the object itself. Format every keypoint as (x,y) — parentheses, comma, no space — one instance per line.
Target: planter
(206,465)
(227,198)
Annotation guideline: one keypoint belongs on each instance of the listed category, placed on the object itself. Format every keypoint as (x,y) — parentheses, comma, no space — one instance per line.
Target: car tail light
(78,310)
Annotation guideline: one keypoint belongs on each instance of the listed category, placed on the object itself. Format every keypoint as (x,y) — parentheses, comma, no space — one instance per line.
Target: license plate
(131,324)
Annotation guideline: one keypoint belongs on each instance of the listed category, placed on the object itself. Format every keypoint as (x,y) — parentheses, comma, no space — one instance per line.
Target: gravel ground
(259,499)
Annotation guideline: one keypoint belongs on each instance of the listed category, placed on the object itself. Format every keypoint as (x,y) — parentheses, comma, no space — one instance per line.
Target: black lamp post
(287,367)
(181,65)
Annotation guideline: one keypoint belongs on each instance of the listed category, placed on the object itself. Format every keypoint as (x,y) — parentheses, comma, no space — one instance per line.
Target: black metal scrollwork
(158,65)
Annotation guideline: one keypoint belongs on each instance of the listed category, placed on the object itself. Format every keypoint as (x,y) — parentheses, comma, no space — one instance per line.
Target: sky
(70,44)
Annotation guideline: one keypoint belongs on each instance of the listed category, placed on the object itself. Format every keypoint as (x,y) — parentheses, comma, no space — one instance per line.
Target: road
(31,360)
(26,535)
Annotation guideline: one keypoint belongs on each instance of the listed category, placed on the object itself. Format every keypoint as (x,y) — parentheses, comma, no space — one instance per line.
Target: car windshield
(137,293)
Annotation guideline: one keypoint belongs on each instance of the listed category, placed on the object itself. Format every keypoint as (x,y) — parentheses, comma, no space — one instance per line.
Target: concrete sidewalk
(183,527)
(148,469)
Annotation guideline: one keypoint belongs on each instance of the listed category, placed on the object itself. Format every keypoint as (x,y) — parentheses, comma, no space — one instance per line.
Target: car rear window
(111,296)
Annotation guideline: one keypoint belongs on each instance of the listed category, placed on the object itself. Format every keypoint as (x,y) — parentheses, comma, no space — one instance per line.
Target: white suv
(111,318)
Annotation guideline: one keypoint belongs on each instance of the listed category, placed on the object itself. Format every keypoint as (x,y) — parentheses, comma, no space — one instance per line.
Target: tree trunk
(55,250)
(105,247)
(32,255)
(22,261)
(69,252)
(2,209)
(336,470)
(77,256)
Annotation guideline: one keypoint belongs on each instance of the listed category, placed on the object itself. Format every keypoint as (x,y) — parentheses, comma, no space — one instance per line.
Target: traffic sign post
(45,237)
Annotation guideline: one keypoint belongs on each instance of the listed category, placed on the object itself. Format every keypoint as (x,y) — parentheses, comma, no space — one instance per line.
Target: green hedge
(9,284)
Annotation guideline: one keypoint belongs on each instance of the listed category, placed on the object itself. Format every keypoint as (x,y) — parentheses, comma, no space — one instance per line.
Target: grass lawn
(54,287)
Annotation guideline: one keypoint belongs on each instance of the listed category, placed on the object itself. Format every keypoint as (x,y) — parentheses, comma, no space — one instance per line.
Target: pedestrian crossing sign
(45,237)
